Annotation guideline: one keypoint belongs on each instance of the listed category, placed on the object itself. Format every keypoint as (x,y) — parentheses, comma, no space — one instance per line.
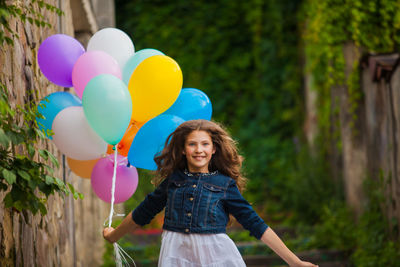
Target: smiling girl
(199,183)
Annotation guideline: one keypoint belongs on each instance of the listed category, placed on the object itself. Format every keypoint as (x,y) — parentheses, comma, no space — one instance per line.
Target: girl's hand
(304,264)
(107,232)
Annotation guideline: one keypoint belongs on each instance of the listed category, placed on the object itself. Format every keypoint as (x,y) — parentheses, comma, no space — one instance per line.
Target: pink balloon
(125,183)
(91,64)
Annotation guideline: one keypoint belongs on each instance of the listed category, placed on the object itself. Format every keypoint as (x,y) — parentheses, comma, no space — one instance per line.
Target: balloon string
(113,187)
(119,253)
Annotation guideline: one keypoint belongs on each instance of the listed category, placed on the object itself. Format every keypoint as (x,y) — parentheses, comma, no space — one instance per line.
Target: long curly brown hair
(226,158)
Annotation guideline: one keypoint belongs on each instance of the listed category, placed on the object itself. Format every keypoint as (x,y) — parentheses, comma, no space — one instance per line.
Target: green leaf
(31,150)
(60,183)
(19,205)
(20,195)
(74,193)
(49,180)
(42,208)
(8,201)
(24,175)
(49,169)
(53,159)
(9,176)
(32,184)
(46,189)
(49,132)
(16,138)
(43,154)
(4,139)
(40,133)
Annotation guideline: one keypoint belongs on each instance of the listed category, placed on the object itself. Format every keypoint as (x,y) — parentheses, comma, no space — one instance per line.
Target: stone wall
(370,134)
(70,234)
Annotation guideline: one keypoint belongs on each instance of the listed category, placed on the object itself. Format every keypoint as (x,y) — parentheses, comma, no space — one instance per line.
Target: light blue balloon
(51,105)
(191,104)
(108,107)
(150,140)
(135,60)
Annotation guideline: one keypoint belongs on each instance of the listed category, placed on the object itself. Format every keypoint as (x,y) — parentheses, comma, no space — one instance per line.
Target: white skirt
(195,250)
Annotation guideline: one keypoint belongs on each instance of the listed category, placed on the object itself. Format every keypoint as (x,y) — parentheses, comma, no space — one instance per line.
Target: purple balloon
(125,183)
(57,56)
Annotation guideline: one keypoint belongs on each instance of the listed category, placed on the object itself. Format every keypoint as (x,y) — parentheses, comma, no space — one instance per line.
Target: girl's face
(198,150)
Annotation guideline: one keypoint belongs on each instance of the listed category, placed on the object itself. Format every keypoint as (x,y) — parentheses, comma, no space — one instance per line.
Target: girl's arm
(142,215)
(275,243)
(113,235)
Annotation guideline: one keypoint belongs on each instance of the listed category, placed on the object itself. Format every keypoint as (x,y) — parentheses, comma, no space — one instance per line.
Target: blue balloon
(150,140)
(191,104)
(51,105)
(135,60)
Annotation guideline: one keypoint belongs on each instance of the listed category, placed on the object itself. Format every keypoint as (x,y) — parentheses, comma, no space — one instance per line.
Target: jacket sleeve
(151,205)
(243,211)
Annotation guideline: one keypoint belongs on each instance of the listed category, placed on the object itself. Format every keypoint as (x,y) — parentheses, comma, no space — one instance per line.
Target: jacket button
(189,214)
(191,199)
(187,230)
(194,186)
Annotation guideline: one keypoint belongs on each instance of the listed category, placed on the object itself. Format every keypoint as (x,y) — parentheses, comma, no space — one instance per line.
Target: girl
(199,183)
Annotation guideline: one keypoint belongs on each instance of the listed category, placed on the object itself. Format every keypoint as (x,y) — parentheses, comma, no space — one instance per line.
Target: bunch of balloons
(125,100)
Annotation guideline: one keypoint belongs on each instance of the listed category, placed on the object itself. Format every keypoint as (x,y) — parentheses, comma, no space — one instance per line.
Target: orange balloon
(125,144)
(110,149)
(82,168)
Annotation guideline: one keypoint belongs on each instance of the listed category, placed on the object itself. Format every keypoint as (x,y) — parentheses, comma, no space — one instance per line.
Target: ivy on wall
(373,26)
(26,171)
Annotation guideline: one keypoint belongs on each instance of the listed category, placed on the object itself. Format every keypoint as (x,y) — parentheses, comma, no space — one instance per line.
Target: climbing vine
(372,26)
(26,171)
(31,12)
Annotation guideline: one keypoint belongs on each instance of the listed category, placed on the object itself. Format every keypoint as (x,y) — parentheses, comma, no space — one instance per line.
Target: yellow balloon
(154,86)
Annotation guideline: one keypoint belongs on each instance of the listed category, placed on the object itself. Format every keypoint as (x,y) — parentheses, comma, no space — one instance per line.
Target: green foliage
(373,26)
(31,12)
(337,229)
(377,244)
(310,188)
(27,180)
(367,241)
(24,173)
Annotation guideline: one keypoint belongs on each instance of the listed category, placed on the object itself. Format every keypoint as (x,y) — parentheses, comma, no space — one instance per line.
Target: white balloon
(74,137)
(114,42)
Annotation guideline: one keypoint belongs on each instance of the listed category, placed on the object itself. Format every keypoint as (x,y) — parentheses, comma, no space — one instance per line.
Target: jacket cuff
(137,218)
(257,233)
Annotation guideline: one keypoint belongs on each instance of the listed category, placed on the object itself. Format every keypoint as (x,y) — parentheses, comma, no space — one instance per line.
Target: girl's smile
(198,150)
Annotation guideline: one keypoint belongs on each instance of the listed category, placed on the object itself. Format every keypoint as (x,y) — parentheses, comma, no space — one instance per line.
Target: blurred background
(308,89)
(311,92)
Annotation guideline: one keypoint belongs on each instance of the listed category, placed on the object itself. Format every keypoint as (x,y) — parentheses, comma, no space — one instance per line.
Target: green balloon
(108,107)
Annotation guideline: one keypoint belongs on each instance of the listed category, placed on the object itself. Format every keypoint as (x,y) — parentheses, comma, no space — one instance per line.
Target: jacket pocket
(211,195)
(213,188)
(174,200)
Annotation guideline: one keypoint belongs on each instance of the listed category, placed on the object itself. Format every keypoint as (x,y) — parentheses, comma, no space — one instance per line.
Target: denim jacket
(199,203)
